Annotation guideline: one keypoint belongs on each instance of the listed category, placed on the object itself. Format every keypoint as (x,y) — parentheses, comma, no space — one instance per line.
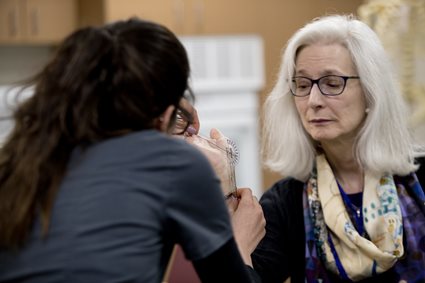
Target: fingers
(192,130)
(248,223)
(246,195)
(196,125)
(216,134)
(232,205)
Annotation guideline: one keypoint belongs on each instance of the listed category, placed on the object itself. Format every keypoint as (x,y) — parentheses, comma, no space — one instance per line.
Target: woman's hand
(214,148)
(248,222)
(246,214)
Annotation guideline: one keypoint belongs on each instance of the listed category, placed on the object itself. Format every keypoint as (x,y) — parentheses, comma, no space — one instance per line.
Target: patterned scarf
(389,214)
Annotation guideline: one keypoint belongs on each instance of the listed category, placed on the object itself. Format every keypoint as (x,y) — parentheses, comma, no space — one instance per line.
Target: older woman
(349,208)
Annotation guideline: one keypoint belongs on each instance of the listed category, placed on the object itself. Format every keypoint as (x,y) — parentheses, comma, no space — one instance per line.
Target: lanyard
(357,211)
(358,216)
(338,262)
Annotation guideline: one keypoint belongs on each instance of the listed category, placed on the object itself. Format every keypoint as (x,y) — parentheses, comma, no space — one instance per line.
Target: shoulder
(145,154)
(283,198)
(185,164)
(420,173)
(283,190)
(283,210)
(157,146)
(414,187)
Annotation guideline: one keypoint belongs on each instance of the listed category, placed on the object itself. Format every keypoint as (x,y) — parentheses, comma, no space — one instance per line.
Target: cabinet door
(170,13)
(49,21)
(10,21)
(187,17)
(225,17)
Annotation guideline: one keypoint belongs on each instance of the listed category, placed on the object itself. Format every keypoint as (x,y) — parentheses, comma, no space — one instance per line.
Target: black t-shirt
(421,171)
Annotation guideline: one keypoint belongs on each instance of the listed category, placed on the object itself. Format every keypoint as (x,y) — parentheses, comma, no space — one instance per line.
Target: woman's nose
(316,97)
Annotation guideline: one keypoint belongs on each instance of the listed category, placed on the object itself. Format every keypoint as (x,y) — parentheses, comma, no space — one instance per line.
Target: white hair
(383,145)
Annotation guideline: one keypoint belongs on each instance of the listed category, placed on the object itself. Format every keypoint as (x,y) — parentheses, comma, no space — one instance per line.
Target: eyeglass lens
(328,85)
(181,124)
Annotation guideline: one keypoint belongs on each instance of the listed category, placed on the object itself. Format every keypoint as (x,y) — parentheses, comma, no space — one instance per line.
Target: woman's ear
(165,119)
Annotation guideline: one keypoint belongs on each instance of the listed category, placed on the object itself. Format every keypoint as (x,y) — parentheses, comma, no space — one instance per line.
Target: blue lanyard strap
(338,262)
(357,212)
(358,216)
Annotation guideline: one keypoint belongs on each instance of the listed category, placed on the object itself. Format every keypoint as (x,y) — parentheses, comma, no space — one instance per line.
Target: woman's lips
(320,121)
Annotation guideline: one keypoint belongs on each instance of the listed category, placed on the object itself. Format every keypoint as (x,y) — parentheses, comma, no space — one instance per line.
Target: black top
(421,171)
(281,253)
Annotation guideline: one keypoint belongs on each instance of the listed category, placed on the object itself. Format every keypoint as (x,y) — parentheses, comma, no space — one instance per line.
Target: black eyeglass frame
(182,114)
(316,81)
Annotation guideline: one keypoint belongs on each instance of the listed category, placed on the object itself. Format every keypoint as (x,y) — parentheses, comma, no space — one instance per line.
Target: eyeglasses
(183,120)
(330,85)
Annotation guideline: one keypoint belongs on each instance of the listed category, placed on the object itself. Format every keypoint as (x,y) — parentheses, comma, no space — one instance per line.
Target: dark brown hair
(102,82)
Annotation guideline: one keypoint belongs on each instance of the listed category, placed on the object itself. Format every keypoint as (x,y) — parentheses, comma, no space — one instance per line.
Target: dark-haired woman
(93,188)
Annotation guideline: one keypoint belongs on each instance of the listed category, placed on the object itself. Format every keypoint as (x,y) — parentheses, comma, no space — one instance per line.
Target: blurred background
(234,47)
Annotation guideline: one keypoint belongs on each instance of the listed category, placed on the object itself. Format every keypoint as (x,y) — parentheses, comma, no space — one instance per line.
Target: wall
(17,63)
(273,20)
(20,62)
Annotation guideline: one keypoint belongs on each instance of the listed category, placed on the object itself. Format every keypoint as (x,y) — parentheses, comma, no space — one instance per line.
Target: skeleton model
(400,24)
